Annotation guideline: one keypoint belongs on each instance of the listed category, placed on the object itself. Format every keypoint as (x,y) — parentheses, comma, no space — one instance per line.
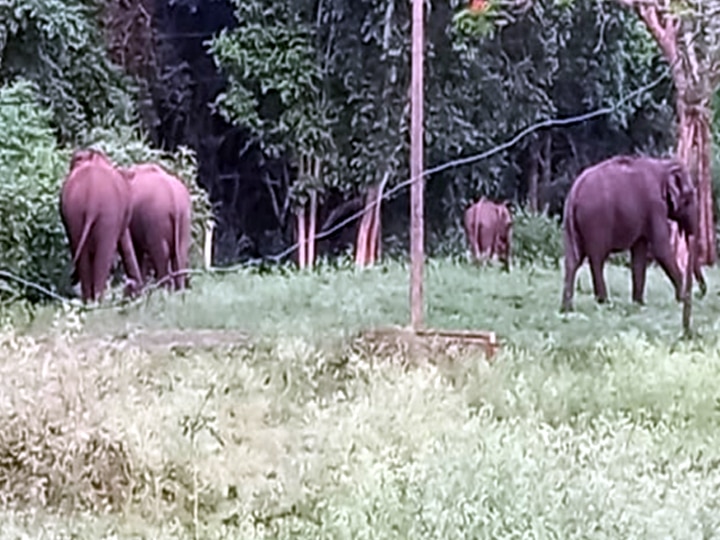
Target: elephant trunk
(691,267)
(693,263)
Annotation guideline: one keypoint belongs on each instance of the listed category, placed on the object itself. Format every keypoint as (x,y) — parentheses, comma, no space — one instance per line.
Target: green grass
(522,307)
(598,424)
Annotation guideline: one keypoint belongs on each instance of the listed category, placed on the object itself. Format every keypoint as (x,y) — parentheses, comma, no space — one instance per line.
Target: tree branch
(663,27)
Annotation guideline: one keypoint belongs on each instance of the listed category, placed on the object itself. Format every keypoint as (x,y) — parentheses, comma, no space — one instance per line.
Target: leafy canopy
(275,85)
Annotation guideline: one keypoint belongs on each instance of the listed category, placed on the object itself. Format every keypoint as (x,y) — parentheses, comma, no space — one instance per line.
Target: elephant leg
(130,262)
(84,274)
(638,261)
(485,243)
(572,263)
(697,270)
(472,241)
(475,243)
(161,262)
(596,266)
(101,267)
(700,279)
(145,267)
(182,263)
(667,262)
(665,254)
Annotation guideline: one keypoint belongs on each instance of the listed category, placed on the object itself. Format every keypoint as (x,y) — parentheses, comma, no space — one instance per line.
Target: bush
(537,239)
(32,238)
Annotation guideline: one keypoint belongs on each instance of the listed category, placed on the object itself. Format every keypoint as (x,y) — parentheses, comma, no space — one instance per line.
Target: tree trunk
(367,246)
(694,150)
(364,252)
(208,244)
(301,238)
(312,221)
(694,84)
(533,177)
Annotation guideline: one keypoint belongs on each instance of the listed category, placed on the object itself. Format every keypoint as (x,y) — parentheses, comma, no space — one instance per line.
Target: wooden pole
(417,254)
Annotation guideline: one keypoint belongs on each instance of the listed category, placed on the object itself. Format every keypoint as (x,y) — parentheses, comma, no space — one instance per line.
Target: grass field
(249,407)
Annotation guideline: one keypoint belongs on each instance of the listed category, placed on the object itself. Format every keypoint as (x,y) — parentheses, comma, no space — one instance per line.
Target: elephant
(626,203)
(95,212)
(160,226)
(488,227)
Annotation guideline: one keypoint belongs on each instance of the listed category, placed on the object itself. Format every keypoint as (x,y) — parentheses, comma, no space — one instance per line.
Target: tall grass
(601,424)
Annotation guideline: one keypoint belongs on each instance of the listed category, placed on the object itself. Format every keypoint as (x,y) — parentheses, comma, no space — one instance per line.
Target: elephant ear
(679,189)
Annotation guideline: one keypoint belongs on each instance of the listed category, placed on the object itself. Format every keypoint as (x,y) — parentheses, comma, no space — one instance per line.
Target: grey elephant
(625,203)
(95,212)
(488,227)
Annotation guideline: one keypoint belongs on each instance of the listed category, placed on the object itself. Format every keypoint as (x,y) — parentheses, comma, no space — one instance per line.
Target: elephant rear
(95,211)
(161,221)
(488,226)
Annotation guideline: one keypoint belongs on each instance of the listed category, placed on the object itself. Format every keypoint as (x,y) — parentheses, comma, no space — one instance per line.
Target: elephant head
(682,201)
(681,197)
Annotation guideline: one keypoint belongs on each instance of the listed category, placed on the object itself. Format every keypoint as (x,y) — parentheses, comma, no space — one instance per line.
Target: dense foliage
(59,46)
(336,92)
(552,61)
(32,239)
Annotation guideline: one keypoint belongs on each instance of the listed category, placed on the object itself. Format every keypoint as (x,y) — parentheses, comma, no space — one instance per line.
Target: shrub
(32,238)
(537,239)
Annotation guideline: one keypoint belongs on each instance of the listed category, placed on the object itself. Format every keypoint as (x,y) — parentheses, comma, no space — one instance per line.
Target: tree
(545,62)
(371,64)
(32,239)
(276,87)
(58,45)
(688,33)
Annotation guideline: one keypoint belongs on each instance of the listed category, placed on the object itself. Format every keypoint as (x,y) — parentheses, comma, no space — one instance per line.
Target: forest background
(262,107)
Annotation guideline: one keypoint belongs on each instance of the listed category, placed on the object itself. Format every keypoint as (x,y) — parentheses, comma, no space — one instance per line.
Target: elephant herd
(143,211)
(643,204)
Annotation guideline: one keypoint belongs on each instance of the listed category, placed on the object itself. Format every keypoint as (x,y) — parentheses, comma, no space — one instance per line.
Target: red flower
(478,6)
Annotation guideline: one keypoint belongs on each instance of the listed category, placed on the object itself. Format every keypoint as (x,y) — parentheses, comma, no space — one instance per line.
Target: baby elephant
(488,227)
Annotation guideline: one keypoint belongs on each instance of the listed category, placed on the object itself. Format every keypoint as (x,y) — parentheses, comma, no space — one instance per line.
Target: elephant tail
(570,232)
(180,226)
(177,238)
(87,226)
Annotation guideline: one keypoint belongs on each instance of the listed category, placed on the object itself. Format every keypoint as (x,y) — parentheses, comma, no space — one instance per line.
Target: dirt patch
(430,343)
(193,339)
(173,339)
